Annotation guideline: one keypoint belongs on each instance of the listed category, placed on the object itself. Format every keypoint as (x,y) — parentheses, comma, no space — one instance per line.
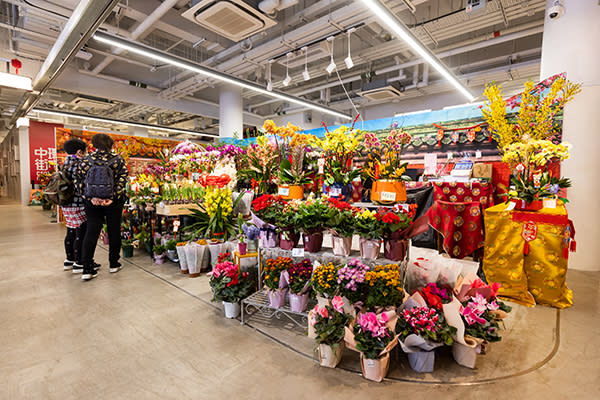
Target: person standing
(74,212)
(102,178)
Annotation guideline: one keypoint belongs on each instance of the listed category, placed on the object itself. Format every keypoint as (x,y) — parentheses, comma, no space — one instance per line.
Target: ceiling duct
(233,19)
(381,90)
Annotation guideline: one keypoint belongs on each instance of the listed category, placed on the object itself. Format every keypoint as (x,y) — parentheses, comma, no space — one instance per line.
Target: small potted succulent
(159,253)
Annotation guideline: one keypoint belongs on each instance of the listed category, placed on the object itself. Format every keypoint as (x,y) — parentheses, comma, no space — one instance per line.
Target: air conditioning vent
(233,19)
(87,103)
(381,90)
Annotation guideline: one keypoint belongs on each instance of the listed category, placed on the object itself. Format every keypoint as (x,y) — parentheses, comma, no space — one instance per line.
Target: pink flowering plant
(228,284)
(351,280)
(371,334)
(425,322)
(482,317)
(330,322)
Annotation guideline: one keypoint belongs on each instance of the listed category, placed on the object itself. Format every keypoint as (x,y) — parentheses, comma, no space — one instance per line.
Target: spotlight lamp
(348,60)
(305,74)
(287,79)
(331,67)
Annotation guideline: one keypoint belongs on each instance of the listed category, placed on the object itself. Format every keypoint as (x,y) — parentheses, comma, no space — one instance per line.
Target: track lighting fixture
(287,79)
(331,67)
(305,74)
(348,60)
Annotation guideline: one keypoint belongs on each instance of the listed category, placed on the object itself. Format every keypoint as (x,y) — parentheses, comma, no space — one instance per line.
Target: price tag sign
(334,192)
(478,154)
(321,165)
(283,191)
(450,156)
(388,196)
(511,206)
(297,252)
(430,161)
(176,224)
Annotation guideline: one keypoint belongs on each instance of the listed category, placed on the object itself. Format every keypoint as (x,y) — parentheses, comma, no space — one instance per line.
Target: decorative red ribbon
(539,218)
(528,233)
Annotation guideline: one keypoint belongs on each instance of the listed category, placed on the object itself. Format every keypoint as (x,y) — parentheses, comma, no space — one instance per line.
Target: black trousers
(74,241)
(96,217)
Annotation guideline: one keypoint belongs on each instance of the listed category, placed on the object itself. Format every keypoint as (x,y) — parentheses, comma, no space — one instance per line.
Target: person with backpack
(102,179)
(71,203)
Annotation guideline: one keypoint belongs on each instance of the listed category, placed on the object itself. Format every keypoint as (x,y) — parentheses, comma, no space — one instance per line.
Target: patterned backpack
(99,180)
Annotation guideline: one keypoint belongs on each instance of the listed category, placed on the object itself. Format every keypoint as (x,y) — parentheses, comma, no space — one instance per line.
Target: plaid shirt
(70,170)
(119,167)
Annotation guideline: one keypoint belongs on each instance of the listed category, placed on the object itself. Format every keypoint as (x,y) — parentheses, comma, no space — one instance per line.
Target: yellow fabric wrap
(539,277)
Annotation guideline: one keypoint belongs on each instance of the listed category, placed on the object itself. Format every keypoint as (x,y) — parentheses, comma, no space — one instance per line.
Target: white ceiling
(502,43)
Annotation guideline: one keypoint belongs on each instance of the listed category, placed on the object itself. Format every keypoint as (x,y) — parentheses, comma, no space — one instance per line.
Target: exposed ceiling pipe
(140,31)
(443,54)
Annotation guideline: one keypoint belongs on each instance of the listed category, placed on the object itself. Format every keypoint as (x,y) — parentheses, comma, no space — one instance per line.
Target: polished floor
(132,335)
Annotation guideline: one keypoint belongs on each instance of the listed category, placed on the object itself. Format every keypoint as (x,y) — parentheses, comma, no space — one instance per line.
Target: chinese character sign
(42,148)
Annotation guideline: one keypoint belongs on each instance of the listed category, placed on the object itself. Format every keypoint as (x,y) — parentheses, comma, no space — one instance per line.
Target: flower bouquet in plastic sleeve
(181,254)
(482,314)
(420,272)
(328,324)
(372,337)
(420,330)
(275,280)
(298,277)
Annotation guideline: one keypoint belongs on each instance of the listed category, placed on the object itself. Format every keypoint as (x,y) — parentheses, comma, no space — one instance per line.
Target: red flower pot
(394,249)
(242,248)
(522,205)
(288,240)
(313,242)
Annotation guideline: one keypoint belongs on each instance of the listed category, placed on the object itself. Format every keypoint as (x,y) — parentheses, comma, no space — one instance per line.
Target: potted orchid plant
(329,323)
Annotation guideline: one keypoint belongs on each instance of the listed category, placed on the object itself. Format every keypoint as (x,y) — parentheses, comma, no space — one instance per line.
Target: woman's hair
(72,146)
(102,141)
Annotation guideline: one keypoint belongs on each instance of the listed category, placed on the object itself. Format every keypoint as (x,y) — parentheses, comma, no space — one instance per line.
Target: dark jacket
(118,165)
(70,167)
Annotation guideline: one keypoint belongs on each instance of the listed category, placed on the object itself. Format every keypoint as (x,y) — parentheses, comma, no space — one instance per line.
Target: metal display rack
(258,304)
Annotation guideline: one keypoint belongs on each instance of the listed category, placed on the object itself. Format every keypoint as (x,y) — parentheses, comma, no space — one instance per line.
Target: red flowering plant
(268,208)
(340,217)
(228,284)
(299,275)
(435,296)
(396,219)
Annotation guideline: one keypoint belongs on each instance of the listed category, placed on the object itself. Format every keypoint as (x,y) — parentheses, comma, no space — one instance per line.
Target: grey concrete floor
(132,335)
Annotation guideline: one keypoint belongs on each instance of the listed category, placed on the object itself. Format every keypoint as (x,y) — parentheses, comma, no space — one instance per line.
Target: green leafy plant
(367,225)
(214,218)
(228,283)
(127,242)
(329,323)
(171,245)
(536,188)
(158,249)
(312,215)
(340,217)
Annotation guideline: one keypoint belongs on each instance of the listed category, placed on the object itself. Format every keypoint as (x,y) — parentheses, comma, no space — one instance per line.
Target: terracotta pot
(298,302)
(242,248)
(232,310)
(387,191)
(277,298)
(313,242)
(375,370)
(370,248)
(522,205)
(330,356)
(394,249)
(341,245)
(288,240)
(291,192)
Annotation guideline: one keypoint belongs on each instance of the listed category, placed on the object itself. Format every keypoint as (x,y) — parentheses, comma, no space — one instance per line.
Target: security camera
(556,11)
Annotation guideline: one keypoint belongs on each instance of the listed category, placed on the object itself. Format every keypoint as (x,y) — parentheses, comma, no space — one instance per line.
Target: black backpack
(99,180)
(60,189)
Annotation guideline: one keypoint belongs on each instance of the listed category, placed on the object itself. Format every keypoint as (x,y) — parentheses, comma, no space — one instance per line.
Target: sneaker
(116,268)
(96,266)
(77,268)
(89,275)
(67,265)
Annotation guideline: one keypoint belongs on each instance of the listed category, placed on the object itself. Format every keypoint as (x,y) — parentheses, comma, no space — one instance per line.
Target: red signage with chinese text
(42,148)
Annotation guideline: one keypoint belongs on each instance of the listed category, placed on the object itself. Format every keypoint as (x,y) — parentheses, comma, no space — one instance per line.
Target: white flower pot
(232,310)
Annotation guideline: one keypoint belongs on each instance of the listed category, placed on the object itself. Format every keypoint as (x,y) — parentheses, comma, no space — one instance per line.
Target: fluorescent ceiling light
(149,52)
(412,113)
(404,33)
(15,81)
(120,122)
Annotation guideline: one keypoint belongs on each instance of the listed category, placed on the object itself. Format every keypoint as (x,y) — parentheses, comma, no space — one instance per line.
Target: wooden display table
(176,209)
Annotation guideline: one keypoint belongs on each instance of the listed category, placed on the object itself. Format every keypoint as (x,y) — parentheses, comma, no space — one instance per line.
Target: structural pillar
(570,44)
(24,168)
(231,117)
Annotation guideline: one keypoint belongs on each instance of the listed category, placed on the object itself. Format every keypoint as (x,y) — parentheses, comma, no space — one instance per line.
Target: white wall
(571,44)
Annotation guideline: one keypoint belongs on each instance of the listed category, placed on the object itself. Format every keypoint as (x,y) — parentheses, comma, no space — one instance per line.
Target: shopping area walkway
(132,335)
